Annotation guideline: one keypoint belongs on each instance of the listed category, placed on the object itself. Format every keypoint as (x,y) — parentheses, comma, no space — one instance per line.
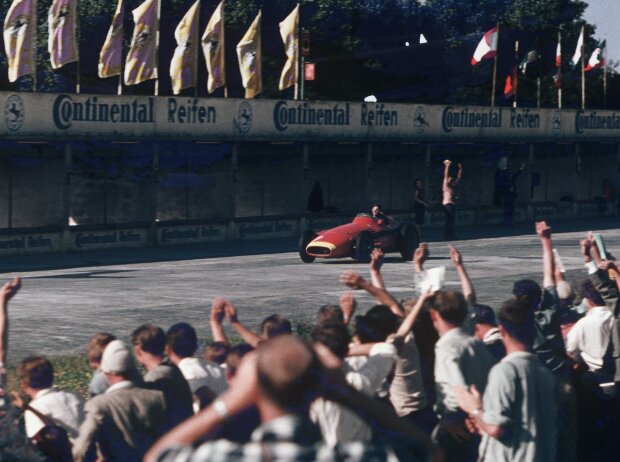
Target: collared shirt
(407,393)
(120,386)
(287,438)
(461,360)
(521,398)
(98,383)
(63,407)
(199,373)
(548,341)
(589,337)
(364,373)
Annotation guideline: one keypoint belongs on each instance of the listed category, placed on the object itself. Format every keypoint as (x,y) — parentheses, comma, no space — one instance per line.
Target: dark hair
(450,305)
(37,372)
(275,325)
(217,352)
(330,314)
(150,338)
(234,356)
(288,372)
(96,345)
(484,314)
(376,324)
(517,319)
(182,340)
(334,336)
(528,291)
(586,290)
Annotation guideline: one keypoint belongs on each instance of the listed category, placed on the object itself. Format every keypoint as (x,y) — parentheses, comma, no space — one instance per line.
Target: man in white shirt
(364,373)
(206,379)
(588,340)
(36,378)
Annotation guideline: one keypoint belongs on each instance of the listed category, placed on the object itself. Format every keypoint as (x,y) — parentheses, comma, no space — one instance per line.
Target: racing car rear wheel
(409,241)
(307,237)
(363,246)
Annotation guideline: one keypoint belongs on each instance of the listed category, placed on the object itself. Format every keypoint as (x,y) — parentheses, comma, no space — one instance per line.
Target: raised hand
(376,259)
(8,290)
(231,312)
(543,229)
(218,309)
(352,279)
(420,255)
(455,256)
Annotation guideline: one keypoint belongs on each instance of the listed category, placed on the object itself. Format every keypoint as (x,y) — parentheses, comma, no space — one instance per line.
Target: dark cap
(484,314)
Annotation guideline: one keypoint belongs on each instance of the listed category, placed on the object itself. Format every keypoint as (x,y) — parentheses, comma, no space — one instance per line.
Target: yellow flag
(213,49)
(19,27)
(141,62)
(183,64)
(288,32)
(249,54)
(111,55)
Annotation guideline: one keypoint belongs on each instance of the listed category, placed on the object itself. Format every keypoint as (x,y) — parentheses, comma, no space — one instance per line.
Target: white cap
(117,358)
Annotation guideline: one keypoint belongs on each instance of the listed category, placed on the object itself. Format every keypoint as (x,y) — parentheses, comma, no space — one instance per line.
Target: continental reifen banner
(70,116)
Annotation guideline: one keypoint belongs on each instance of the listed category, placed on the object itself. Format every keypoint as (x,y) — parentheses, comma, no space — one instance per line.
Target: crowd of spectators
(435,377)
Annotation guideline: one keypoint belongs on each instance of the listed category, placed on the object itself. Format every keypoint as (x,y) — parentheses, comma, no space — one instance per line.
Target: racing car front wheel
(409,241)
(363,246)
(307,237)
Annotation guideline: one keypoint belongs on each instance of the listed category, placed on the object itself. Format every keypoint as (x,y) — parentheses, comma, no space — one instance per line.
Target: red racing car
(358,238)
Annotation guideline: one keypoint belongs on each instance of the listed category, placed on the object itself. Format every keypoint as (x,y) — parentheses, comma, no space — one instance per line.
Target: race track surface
(66,298)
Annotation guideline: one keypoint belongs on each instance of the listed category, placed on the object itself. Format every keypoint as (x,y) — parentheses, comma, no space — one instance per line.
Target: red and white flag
(487,48)
(597,60)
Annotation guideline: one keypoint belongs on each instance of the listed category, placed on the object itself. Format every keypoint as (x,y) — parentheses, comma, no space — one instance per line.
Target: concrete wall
(220,191)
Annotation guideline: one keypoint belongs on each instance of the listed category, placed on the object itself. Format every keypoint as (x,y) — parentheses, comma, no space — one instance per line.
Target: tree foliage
(360,47)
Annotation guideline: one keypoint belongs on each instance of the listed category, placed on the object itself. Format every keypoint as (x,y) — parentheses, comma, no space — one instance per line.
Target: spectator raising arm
(356,282)
(407,324)
(376,260)
(7,292)
(544,232)
(246,334)
(348,306)
(468,289)
(218,311)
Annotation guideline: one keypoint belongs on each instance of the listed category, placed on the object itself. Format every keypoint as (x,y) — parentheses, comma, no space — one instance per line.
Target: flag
(529,61)
(111,55)
(19,28)
(423,39)
(249,54)
(487,48)
(141,61)
(597,60)
(288,32)
(213,49)
(62,39)
(557,77)
(512,80)
(183,64)
(577,55)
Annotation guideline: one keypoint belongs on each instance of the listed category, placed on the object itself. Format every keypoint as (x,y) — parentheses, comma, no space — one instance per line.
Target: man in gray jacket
(124,421)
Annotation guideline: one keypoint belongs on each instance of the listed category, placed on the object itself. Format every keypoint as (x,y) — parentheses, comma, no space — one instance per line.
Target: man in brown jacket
(124,421)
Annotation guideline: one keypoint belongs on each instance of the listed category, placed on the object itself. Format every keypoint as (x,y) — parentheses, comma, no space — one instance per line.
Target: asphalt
(67,297)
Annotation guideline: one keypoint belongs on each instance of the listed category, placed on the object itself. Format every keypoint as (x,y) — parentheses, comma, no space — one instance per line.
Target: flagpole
(560,70)
(196,42)
(298,57)
(495,70)
(224,47)
(157,47)
(605,79)
(515,74)
(583,73)
(538,92)
(78,74)
(34,46)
